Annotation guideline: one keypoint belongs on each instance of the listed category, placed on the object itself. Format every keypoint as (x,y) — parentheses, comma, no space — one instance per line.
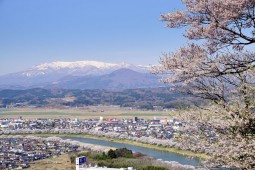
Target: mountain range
(82,75)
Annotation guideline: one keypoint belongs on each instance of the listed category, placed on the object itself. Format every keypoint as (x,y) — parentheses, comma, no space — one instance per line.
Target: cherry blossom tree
(219,23)
(218,67)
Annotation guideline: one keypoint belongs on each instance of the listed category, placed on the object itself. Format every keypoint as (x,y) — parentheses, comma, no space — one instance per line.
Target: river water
(157,154)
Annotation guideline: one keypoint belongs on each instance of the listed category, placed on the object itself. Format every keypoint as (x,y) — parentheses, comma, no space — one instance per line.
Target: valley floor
(83,113)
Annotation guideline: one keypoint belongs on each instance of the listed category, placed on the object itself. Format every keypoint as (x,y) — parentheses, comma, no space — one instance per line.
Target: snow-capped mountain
(79,68)
(73,65)
(79,74)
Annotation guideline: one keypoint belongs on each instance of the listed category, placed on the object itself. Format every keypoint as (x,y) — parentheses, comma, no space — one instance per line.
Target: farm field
(83,113)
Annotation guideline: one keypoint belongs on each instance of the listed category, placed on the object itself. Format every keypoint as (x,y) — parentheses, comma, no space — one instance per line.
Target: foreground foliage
(152,168)
(137,161)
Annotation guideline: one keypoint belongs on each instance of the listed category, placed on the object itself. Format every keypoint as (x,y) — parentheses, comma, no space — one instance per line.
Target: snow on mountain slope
(73,65)
(53,73)
(79,68)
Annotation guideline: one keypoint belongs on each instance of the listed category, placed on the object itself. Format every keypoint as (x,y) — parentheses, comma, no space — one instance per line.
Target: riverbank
(130,142)
(64,161)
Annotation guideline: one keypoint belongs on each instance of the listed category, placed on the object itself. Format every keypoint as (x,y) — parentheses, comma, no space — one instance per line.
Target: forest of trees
(137,98)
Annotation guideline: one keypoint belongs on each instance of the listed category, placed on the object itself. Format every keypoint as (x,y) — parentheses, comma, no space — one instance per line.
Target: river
(157,154)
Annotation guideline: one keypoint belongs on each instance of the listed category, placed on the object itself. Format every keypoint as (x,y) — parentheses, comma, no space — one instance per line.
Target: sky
(39,31)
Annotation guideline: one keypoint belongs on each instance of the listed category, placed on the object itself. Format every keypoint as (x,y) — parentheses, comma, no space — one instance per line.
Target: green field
(88,112)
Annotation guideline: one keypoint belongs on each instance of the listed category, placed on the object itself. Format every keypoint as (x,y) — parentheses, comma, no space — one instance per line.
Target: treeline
(139,98)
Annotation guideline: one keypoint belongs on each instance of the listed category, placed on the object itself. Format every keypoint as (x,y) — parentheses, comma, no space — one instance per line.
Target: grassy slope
(61,162)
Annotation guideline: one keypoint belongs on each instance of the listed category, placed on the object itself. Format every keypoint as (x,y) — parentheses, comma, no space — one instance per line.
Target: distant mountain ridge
(79,68)
(82,75)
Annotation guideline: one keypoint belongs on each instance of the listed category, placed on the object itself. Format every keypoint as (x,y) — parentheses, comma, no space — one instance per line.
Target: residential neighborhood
(136,127)
(18,152)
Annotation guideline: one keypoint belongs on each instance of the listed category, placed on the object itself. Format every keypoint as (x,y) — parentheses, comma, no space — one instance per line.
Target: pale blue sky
(38,31)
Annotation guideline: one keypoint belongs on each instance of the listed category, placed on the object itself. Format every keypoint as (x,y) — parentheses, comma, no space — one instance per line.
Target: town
(156,128)
(164,132)
(19,151)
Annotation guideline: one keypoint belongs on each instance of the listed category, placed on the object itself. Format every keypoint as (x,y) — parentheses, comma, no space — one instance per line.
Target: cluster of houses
(165,132)
(135,127)
(18,152)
